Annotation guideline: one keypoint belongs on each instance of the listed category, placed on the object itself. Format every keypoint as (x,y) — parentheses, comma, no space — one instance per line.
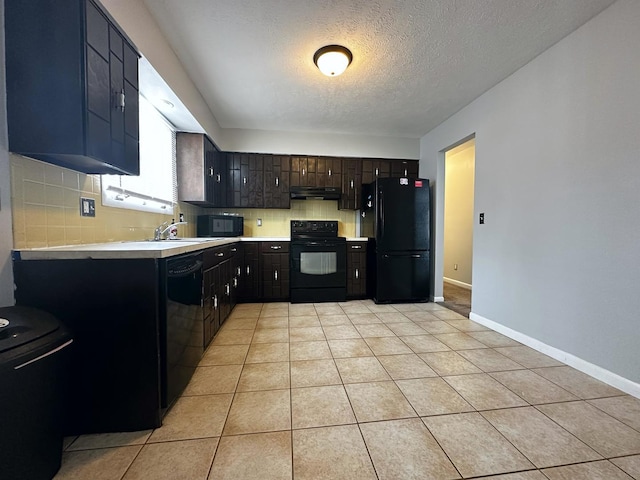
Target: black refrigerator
(396,215)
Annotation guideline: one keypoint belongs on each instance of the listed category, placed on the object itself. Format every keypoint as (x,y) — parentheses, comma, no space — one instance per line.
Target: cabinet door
(216,297)
(256,182)
(219,178)
(356,270)
(112,101)
(236,273)
(351,183)
(404,168)
(329,172)
(276,181)
(374,168)
(225,290)
(241,188)
(209,172)
(250,281)
(207,299)
(275,276)
(304,171)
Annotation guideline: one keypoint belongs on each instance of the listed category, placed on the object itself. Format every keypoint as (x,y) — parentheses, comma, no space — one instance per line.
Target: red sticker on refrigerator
(418,183)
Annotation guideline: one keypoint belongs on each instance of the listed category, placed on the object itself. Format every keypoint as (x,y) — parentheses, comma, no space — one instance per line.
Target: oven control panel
(325,228)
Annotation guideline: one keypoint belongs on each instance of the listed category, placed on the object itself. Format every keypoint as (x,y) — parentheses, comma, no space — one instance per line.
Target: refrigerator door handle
(381,214)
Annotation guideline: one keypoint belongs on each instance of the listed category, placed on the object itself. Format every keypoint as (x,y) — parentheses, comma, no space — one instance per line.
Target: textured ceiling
(415,62)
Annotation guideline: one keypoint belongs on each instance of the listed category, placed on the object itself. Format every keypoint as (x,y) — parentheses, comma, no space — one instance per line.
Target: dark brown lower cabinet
(250,273)
(274,266)
(114,310)
(356,270)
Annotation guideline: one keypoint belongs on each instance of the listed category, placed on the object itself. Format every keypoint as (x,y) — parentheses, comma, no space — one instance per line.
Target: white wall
(261,141)
(558,177)
(6,235)
(136,20)
(458,213)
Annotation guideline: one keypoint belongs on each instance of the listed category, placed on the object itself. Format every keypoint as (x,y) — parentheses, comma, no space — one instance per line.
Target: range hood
(315,193)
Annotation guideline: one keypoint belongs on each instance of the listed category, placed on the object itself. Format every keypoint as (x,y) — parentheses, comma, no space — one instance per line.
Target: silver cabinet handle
(276,247)
(239,272)
(416,256)
(275,275)
(405,172)
(234,250)
(376,172)
(329,172)
(351,183)
(215,301)
(227,289)
(356,246)
(211,171)
(218,178)
(248,270)
(277,181)
(244,180)
(235,282)
(221,254)
(120,100)
(304,171)
(357,274)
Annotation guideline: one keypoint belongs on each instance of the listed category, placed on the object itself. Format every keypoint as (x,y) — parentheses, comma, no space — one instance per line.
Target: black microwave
(220,226)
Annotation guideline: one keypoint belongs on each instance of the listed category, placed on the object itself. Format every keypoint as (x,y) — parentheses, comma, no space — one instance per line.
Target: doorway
(458,227)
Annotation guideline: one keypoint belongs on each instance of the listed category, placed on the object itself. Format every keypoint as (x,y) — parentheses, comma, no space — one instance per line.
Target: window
(154,190)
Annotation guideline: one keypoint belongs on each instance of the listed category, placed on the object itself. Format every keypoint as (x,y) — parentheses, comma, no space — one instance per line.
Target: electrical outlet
(482,219)
(87,207)
(259,222)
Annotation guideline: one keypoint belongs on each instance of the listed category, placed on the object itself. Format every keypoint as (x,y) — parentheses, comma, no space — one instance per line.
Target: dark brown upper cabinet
(72,86)
(404,168)
(304,171)
(329,172)
(201,170)
(276,181)
(245,188)
(351,183)
(374,168)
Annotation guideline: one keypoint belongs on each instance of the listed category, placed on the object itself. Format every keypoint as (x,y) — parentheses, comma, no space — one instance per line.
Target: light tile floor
(357,391)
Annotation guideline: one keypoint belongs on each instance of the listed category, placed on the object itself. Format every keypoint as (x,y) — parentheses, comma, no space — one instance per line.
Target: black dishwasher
(182,331)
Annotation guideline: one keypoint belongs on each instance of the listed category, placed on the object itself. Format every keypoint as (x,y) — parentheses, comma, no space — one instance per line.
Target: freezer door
(402,277)
(402,214)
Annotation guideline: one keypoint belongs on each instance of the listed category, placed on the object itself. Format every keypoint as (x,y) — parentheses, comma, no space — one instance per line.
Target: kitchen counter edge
(131,249)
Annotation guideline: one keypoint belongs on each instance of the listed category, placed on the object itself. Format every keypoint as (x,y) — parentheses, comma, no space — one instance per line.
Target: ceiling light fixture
(332,60)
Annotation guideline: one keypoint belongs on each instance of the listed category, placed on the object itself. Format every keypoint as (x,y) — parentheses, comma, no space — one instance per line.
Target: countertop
(140,248)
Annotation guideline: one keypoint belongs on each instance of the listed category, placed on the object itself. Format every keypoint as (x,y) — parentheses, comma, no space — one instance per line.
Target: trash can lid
(21,325)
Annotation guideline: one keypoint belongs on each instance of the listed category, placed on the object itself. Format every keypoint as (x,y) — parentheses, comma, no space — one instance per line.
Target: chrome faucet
(164,228)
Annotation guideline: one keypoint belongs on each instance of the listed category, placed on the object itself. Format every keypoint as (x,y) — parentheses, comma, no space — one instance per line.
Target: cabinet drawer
(216,255)
(274,247)
(356,247)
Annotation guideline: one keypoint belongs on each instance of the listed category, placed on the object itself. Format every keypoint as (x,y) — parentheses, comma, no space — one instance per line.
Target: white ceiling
(415,62)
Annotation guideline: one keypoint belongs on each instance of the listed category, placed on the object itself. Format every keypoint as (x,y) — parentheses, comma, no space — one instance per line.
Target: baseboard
(457,283)
(438,299)
(610,378)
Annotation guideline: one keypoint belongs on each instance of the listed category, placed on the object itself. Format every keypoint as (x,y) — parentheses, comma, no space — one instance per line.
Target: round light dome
(332,60)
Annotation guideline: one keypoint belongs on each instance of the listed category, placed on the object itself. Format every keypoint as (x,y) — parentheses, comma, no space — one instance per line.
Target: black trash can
(34,356)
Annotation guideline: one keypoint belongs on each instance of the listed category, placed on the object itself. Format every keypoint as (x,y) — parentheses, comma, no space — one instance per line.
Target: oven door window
(318,263)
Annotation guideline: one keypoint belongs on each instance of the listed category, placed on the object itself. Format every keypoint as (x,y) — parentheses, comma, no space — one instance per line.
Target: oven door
(318,263)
